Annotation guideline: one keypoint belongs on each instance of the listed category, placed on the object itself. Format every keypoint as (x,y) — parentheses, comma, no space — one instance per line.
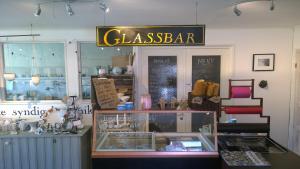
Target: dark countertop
(278,160)
(288,160)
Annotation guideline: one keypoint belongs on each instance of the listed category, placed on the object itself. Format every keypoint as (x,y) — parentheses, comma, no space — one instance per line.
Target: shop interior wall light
(238,12)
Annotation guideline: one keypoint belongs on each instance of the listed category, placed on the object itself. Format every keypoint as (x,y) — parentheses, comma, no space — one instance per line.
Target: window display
(95,60)
(131,133)
(27,60)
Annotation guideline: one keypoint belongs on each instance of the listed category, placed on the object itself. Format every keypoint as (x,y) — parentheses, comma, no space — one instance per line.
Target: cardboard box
(120,61)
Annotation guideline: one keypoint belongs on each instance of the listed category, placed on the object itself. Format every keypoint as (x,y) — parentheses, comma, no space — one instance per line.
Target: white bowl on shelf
(35,79)
(9,76)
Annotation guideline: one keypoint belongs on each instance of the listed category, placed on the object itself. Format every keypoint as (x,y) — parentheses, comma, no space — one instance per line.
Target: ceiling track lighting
(38,10)
(238,12)
(272,7)
(104,7)
(69,8)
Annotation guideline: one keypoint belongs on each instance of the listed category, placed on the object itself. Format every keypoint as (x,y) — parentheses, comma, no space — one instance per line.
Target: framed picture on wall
(263,62)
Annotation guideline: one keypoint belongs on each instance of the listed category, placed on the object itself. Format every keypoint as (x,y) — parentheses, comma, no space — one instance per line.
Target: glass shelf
(49,88)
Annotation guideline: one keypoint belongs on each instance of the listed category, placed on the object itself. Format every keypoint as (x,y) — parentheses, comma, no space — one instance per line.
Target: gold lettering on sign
(115,36)
(138,37)
(117,41)
(190,38)
(150,37)
(159,36)
(123,39)
(168,38)
(178,38)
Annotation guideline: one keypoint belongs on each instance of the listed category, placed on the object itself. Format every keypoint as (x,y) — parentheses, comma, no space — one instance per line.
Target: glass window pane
(27,59)
(93,57)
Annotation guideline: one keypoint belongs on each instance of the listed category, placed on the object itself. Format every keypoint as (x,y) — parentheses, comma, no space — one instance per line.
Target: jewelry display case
(118,134)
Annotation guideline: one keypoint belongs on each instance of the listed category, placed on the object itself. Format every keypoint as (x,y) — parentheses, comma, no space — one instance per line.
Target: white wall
(277,96)
(294,138)
(245,42)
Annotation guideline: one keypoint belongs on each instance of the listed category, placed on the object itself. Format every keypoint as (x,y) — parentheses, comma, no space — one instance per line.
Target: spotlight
(237,11)
(272,7)
(38,10)
(104,7)
(69,9)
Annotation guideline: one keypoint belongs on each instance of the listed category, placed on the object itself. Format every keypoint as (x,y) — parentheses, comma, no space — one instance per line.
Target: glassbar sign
(183,35)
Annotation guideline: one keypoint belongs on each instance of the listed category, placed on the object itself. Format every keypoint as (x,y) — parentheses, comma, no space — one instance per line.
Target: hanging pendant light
(9,76)
(35,77)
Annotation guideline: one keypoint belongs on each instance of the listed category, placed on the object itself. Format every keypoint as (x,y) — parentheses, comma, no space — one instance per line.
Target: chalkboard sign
(106,93)
(206,67)
(162,78)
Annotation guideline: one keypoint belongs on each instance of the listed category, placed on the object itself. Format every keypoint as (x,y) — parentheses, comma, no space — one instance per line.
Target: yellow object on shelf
(199,88)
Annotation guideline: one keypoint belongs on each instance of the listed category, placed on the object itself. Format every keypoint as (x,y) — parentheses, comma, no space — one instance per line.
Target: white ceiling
(18,14)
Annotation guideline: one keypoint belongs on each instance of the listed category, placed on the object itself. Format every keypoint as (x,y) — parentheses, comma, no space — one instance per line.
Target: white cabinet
(28,151)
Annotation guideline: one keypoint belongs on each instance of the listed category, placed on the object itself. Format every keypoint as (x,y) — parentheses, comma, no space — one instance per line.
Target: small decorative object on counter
(121,107)
(173,103)
(215,99)
(73,116)
(197,100)
(162,103)
(109,69)
(146,102)
(117,70)
(129,105)
(101,71)
(183,105)
(129,70)
(33,125)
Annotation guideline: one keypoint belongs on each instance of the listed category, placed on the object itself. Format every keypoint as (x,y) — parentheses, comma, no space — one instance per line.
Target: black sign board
(183,35)
(206,67)
(162,78)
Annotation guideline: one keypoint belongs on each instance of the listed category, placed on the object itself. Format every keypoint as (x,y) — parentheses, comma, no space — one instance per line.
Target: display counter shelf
(152,133)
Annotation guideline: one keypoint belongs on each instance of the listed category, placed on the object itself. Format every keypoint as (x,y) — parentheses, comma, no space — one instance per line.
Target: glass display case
(136,133)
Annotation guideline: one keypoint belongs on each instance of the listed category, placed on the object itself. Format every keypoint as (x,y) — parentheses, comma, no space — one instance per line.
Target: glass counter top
(154,133)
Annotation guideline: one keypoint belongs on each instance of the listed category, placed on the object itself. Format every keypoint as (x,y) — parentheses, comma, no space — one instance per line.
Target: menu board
(162,78)
(106,93)
(207,68)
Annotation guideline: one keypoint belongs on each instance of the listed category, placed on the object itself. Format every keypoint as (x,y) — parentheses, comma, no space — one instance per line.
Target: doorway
(184,58)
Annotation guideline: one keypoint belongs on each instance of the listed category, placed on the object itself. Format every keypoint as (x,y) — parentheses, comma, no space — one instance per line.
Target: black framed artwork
(263,62)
